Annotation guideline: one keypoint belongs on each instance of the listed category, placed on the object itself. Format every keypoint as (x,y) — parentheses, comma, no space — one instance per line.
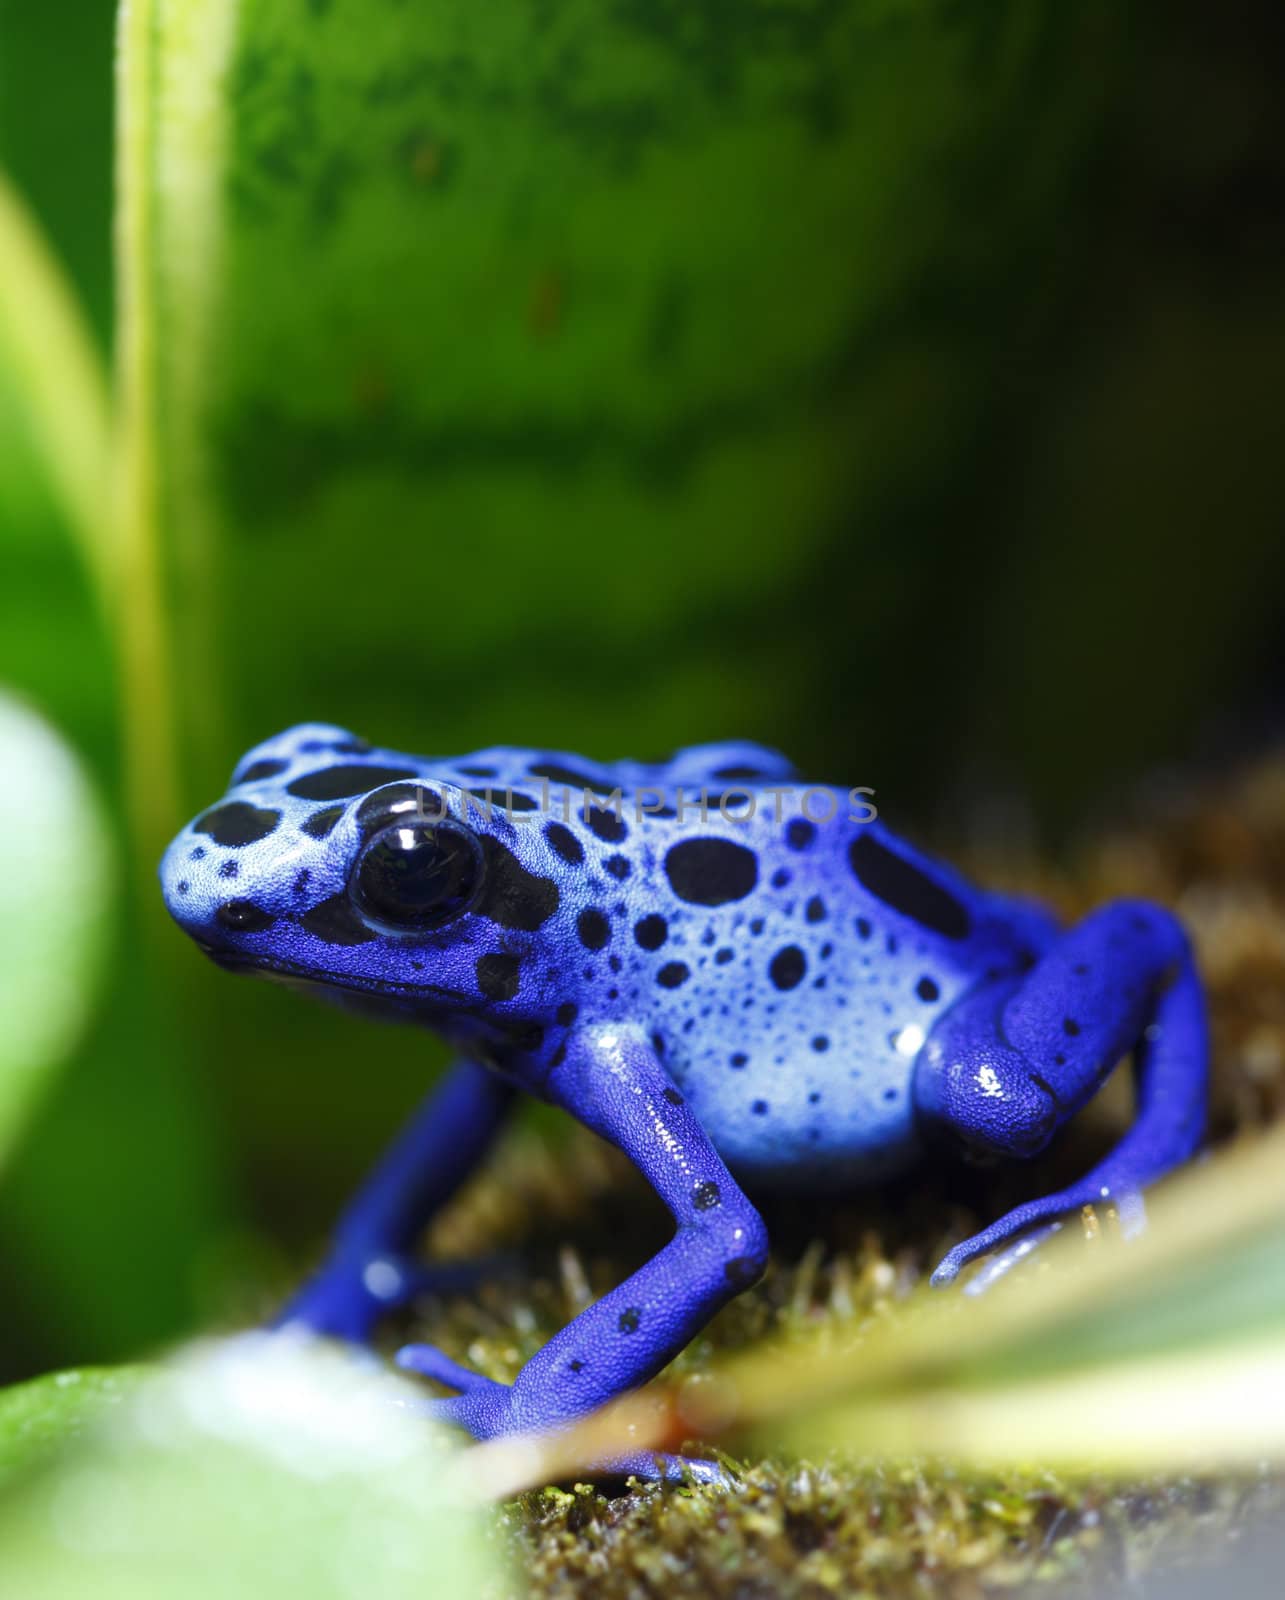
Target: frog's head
(370,873)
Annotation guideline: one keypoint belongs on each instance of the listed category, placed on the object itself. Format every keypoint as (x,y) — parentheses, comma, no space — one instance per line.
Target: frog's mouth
(292,973)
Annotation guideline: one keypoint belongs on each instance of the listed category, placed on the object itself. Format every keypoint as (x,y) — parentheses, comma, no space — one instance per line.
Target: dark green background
(1000,476)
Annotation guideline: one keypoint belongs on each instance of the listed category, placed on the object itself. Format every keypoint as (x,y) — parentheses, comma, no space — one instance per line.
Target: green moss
(577,1218)
(806,1530)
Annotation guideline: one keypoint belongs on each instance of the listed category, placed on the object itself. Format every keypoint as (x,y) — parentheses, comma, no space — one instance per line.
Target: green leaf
(56,548)
(459,344)
(55,389)
(55,884)
(1210,1410)
(252,1466)
(41,1417)
(1142,1356)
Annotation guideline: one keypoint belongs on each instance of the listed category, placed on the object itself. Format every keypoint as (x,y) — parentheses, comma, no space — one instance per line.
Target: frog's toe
(999,1265)
(1018,1235)
(1017,1245)
(428,1361)
(664,1468)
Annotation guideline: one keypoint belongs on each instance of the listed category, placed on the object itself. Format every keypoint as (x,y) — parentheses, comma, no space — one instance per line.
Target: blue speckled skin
(735,1004)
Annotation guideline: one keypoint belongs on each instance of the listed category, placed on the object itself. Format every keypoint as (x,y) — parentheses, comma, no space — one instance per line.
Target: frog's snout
(205,903)
(176,883)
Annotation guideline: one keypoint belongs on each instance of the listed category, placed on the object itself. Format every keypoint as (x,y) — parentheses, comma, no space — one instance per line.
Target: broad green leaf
(56,871)
(254,1466)
(490,373)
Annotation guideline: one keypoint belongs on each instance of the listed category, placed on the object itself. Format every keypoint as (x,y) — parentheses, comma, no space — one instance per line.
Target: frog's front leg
(612,1081)
(369,1269)
(1011,1062)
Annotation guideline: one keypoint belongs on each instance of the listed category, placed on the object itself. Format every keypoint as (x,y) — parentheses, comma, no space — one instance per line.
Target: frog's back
(785,951)
(793,962)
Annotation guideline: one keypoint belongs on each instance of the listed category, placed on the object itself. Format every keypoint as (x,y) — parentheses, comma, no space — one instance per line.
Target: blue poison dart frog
(774,992)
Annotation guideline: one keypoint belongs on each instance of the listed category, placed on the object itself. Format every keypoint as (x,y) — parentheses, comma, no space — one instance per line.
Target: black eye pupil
(417,874)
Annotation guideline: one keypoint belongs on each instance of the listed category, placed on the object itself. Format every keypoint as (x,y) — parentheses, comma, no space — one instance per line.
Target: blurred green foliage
(56,131)
(51,943)
(239,1470)
(891,382)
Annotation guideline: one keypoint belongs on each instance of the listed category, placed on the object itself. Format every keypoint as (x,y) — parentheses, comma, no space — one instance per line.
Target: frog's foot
(348,1295)
(1027,1227)
(486,1410)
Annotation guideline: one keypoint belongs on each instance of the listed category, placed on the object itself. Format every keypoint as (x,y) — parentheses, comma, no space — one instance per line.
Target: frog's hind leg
(1008,1065)
(369,1270)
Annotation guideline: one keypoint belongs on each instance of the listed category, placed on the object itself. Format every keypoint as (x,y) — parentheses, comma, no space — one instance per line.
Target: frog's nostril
(243,916)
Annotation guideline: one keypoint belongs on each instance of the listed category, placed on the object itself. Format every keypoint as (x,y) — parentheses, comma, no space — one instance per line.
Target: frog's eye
(417,874)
